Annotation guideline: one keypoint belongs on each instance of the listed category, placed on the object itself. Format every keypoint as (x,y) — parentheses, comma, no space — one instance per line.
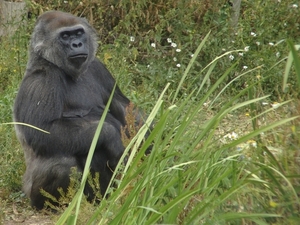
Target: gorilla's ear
(36,41)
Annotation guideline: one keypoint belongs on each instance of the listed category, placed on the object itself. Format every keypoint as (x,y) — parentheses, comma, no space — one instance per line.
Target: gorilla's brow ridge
(70,28)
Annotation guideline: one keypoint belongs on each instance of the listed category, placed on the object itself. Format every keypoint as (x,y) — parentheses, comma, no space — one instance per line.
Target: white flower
(169,40)
(253,34)
(252,143)
(231,57)
(178,65)
(132,38)
(241,54)
(231,136)
(257,43)
(245,67)
(174,45)
(178,50)
(246,48)
(153,45)
(234,135)
(271,43)
(295,6)
(275,105)
(192,55)
(174,59)
(277,54)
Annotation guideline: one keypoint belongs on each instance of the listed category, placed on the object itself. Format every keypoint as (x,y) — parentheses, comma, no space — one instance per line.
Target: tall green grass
(190,177)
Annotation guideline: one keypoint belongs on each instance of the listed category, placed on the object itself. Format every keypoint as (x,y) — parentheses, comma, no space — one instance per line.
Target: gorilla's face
(74,41)
(66,41)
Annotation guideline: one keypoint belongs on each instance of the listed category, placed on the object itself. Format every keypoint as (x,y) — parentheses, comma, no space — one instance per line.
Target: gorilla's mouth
(78,59)
(79,56)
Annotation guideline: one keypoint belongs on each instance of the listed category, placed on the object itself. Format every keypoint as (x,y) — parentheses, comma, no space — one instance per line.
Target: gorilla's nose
(77,44)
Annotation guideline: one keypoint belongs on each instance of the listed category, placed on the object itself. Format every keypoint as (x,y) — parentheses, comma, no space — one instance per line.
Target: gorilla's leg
(106,156)
(49,175)
(100,166)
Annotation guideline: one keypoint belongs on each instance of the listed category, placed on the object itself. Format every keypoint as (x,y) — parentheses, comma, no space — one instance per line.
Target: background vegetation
(226,143)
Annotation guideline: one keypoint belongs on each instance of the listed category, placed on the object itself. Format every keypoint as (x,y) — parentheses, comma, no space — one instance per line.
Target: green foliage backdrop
(157,38)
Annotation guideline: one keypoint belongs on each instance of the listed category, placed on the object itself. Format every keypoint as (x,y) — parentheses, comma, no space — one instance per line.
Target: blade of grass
(296,59)
(206,77)
(292,56)
(27,125)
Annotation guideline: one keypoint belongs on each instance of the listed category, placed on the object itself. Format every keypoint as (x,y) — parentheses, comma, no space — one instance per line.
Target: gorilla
(64,91)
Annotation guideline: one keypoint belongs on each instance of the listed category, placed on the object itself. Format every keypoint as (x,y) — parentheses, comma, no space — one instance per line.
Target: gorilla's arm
(120,101)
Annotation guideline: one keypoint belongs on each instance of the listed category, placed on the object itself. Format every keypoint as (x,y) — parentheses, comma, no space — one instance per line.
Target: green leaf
(293,56)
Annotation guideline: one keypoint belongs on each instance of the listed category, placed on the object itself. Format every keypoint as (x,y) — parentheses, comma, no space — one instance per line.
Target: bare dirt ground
(19,212)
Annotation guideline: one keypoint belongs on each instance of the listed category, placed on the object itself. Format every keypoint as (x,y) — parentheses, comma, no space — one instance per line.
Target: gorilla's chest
(81,99)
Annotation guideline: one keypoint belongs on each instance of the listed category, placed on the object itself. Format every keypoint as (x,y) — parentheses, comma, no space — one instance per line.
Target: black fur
(66,98)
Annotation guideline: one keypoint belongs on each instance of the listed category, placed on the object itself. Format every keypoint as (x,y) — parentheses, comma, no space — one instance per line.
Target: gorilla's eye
(65,35)
(80,32)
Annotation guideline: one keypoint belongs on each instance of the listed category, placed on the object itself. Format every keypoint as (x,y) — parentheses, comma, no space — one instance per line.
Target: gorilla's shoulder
(98,69)
(97,63)
(40,66)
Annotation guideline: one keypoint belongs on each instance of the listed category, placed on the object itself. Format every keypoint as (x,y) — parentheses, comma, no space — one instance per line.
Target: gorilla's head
(67,41)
